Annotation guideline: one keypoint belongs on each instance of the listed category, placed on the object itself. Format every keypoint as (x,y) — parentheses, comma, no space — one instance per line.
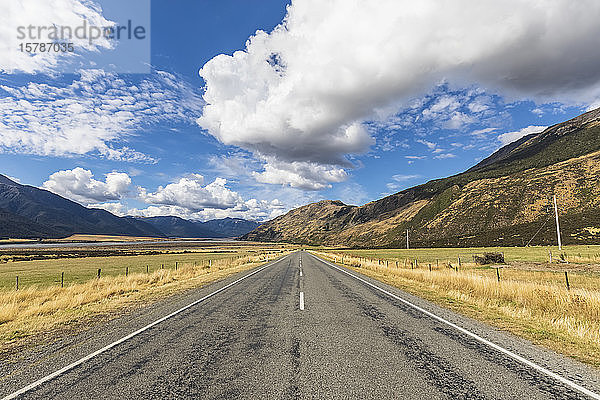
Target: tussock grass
(527,304)
(538,254)
(41,309)
(43,273)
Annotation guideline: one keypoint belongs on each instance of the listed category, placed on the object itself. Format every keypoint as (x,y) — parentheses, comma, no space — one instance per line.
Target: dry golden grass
(540,310)
(35,310)
(79,270)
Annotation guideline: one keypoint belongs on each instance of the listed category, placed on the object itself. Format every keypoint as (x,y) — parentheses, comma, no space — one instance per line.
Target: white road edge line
(125,338)
(496,347)
(302,301)
(300,272)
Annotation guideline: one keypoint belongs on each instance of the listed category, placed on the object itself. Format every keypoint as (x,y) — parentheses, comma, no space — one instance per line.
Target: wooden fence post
(17,287)
(147,268)
(567,280)
(62,279)
(429,267)
(498,273)
(126,271)
(99,271)
(175,265)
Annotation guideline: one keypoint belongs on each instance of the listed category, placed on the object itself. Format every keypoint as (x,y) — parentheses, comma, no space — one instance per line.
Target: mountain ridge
(30,212)
(504,199)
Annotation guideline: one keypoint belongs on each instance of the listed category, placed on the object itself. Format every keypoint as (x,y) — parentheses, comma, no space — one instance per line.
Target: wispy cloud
(399,181)
(445,156)
(95,114)
(510,137)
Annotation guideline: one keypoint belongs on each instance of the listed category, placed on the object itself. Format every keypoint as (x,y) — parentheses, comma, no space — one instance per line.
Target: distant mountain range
(215,228)
(506,199)
(30,212)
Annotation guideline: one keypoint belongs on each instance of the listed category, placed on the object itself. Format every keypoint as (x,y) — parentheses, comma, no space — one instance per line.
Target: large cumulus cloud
(297,97)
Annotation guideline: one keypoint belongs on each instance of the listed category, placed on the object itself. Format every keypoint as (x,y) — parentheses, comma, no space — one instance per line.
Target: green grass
(538,254)
(525,264)
(44,273)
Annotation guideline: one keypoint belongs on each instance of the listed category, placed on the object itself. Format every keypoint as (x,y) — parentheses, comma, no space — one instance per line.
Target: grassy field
(44,273)
(105,238)
(42,307)
(531,299)
(535,254)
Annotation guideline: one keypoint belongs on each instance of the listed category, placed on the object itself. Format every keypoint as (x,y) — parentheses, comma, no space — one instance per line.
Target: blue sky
(343,103)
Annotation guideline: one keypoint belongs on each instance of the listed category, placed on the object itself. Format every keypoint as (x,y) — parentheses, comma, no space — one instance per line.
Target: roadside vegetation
(42,306)
(530,298)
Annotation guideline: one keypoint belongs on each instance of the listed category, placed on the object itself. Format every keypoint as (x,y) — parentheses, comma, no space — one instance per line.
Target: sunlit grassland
(41,305)
(573,254)
(531,299)
(43,273)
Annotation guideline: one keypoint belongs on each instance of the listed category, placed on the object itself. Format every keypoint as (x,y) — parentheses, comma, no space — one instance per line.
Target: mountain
(14,226)
(506,199)
(216,228)
(179,227)
(30,212)
(231,227)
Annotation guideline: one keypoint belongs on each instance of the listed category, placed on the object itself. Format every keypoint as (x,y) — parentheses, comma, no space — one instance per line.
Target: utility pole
(557,224)
(407,246)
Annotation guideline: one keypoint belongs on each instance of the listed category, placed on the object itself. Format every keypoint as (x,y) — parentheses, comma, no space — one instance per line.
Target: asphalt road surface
(298,328)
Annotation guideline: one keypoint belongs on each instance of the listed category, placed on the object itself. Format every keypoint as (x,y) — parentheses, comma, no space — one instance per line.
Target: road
(298,328)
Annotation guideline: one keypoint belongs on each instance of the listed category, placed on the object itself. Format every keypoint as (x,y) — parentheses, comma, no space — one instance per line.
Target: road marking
(502,350)
(125,338)
(302,301)
(300,272)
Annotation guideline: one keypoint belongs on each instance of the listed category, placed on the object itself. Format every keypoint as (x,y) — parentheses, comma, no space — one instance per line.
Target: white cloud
(297,174)
(42,13)
(404,178)
(253,209)
(594,105)
(510,137)
(538,111)
(430,145)
(191,194)
(301,93)
(112,207)
(94,114)
(79,185)
(458,120)
(415,157)
(189,197)
(399,181)
(445,156)
(480,104)
(444,103)
(482,132)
